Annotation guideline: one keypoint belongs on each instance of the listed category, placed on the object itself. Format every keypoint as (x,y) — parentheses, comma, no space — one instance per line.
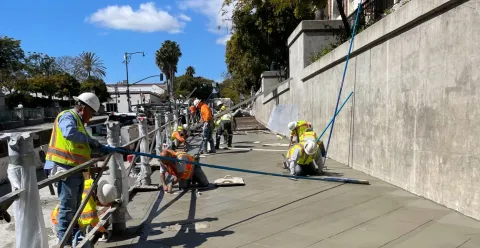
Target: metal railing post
(118,177)
(168,132)
(29,223)
(145,170)
(175,121)
(158,135)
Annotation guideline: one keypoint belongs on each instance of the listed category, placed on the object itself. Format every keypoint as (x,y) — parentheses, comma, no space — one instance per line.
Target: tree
(40,64)
(167,57)
(96,86)
(185,84)
(11,63)
(47,85)
(190,71)
(67,85)
(88,64)
(66,64)
(260,31)
(302,9)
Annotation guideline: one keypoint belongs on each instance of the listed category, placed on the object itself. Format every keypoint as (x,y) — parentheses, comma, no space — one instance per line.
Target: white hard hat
(184,126)
(219,103)
(310,147)
(89,99)
(196,102)
(106,193)
(292,125)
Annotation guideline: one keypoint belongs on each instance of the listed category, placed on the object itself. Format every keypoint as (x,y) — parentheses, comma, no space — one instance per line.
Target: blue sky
(110,28)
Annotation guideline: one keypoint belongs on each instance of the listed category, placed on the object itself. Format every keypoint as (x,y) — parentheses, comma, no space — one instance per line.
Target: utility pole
(127,57)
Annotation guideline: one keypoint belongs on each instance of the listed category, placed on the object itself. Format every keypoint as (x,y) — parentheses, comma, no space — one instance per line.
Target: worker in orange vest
(208,126)
(183,173)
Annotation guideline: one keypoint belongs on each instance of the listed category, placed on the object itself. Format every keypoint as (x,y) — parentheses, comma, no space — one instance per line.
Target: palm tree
(190,71)
(167,57)
(89,64)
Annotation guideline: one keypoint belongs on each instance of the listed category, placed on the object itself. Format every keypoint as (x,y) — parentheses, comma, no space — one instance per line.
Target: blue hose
(329,179)
(330,123)
(359,9)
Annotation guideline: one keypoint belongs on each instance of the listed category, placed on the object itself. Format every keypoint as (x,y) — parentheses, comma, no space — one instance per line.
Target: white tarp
(29,223)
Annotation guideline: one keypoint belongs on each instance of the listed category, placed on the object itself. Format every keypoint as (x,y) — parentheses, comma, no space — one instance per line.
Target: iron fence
(372,11)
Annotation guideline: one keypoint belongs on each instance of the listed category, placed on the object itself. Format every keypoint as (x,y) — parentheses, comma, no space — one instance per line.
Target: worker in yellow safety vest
(311,135)
(179,137)
(106,194)
(183,173)
(224,125)
(304,158)
(71,145)
(297,128)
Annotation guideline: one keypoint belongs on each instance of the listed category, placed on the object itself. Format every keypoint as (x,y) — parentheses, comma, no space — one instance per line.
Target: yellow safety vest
(301,127)
(89,215)
(226,117)
(304,158)
(173,135)
(308,135)
(63,151)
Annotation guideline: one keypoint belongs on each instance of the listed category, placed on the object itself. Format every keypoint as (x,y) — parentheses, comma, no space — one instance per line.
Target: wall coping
(272,74)
(313,26)
(403,19)
(277,91)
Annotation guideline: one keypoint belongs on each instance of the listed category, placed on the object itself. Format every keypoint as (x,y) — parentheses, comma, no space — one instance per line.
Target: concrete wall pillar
(271,79)
(118,177)
(145,170)
(168,130)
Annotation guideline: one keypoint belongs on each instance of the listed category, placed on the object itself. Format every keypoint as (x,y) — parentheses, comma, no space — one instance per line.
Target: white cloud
(147,18)
(184,18)
(223,40)
(212,9)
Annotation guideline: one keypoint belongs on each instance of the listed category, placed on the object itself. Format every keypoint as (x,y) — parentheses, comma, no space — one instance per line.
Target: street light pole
(127,57)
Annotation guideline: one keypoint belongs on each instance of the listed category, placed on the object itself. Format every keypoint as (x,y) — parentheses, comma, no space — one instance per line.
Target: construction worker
(105,196)
(208,125)
(179,137)
(304,158)
(311,135)
(182,173)
(224,125)
(70,145)
(297,128)
(193,114)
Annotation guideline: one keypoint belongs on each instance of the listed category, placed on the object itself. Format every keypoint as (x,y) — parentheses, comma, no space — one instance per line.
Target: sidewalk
(278,212)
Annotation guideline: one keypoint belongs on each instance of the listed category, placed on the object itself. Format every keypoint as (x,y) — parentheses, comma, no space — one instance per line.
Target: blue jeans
(207,137)
(70,196)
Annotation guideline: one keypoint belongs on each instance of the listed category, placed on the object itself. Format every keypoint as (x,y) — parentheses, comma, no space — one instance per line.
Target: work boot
(230,139)
(217,143)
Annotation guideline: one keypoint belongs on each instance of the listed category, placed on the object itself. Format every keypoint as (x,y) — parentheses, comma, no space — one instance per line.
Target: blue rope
(329,179)
(343,78)
(330,123)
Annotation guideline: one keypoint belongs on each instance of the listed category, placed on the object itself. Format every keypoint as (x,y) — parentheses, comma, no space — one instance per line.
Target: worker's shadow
(186,230)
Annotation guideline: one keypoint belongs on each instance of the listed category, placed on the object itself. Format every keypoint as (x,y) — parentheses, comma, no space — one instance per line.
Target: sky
(111,28)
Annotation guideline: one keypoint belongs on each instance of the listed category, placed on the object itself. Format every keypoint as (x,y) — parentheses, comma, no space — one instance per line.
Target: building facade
(139,94)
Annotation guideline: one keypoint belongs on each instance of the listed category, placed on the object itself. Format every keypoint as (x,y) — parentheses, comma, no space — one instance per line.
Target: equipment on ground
(90,99)
(229,181)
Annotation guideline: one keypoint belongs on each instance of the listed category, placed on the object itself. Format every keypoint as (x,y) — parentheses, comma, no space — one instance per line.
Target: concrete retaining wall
(414,120)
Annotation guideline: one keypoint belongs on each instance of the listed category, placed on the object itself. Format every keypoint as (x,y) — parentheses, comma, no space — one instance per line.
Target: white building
(139,93)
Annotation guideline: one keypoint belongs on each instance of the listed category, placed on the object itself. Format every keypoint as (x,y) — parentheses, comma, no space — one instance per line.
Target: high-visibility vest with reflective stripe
(308,135)
(304,158)
(226,117)
(64,151)
(301,127)
(189,168)
(89,215)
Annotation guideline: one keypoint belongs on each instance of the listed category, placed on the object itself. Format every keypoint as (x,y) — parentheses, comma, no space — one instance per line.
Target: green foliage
(190,71)
(11,54)
(167,57)
(388,11)
(230,88)
(260,32)
(96,86)
(183,85)
(40,64)
(67,85)
(88,64)
(302,9)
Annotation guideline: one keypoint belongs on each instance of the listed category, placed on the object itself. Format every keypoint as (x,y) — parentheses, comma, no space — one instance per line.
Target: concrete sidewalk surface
(279,212)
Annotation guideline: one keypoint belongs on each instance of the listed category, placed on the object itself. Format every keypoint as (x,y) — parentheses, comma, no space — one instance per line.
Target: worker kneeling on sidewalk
(224,124)
(183,173)
(297,128)
(305,158)
(105,195)
(179,137)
